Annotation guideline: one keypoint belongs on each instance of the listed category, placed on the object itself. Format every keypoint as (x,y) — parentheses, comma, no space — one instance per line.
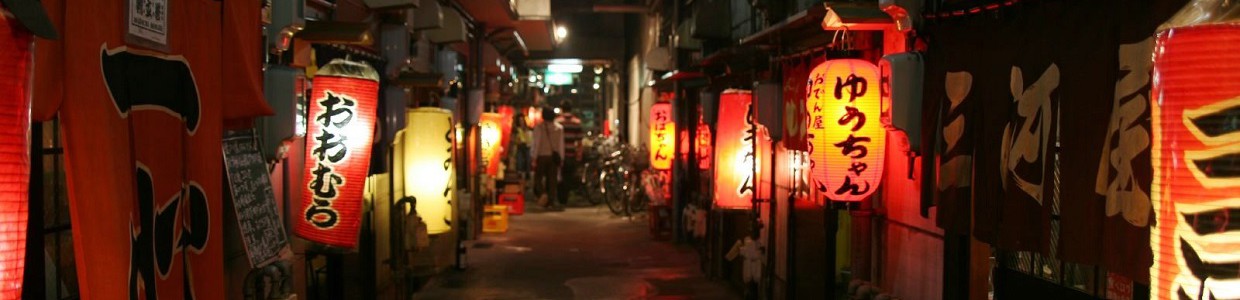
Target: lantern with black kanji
(15,50)
(506,118)
(1196,147)
(741,147)
(662,136)
(426,148)
(341,128)
(846,137)
(491,128)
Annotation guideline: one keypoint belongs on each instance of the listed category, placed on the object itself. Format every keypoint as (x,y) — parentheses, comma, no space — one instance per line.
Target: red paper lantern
(1196,241)
(15,46)
(342,122)
(506,113)
(533,116)
(490,126)
(736,161)
(662,136)
(703,145)
(846,138)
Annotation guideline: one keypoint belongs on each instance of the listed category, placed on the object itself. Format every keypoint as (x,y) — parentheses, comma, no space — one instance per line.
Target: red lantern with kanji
(662,136)
(741,150)
(341,129)
(702,140)
(491,127)
(845,136)
(15,47)
(1196,147)
(506,115)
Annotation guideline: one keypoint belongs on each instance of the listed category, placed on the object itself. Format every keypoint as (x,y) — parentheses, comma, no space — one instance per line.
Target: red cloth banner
(795,115)
(341,128)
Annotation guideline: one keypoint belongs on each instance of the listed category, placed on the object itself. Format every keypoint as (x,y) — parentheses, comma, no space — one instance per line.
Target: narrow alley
(578,253)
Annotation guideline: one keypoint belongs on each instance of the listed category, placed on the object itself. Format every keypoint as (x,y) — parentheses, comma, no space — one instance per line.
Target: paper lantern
(662,136)
(1196,94)
(428,165)
(845,136)
(506,113)
(15,46)
(533,116)
(737,162)
(703,149)
(341,128)
(490,127)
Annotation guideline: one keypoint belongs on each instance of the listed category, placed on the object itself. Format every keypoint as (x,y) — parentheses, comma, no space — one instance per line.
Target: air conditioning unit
(904,73)
(427,16)
(659,59)
(389,4)
(453,30)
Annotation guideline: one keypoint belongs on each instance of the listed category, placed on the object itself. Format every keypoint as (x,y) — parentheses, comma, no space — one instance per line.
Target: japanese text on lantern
(846,146)
(338,111)
(662,134)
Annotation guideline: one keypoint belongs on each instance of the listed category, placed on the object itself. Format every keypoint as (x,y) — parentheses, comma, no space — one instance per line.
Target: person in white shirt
(548,151)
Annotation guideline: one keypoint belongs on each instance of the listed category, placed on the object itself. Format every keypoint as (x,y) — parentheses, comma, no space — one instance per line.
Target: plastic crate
(514,201)
(495,219)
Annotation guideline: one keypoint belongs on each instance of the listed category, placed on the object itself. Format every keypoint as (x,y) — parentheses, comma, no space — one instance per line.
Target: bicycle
(622,181)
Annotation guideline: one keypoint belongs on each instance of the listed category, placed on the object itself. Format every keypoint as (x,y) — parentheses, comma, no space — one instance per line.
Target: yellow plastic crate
(495,219)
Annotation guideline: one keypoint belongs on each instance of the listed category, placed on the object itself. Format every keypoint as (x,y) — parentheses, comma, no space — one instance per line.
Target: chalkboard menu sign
(253,199)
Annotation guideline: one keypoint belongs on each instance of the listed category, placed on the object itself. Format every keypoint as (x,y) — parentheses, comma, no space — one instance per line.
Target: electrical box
(284,88)
(902,77)
(769,105)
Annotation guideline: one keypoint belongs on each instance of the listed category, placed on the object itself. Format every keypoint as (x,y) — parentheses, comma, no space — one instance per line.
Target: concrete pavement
(579,253)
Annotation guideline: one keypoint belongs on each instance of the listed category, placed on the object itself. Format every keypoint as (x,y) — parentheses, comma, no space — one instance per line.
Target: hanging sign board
(147,23)
(254,201)
(846,137)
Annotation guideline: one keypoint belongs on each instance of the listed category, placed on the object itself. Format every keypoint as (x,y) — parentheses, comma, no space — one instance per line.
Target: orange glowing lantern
(506,113)
(427,158)
(703,145)
(341,129)
(15,48)
(491,128)
(846,138)
(737,161)
(662,136)
(1196,92)
(533,116)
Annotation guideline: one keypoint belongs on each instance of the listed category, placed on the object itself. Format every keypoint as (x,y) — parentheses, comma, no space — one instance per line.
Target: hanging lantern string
(969,11)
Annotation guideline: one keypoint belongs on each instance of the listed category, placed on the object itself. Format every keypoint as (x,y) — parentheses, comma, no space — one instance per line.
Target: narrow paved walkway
(580,253)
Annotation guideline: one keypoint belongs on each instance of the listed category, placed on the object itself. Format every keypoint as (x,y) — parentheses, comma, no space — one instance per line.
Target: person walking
(548,151)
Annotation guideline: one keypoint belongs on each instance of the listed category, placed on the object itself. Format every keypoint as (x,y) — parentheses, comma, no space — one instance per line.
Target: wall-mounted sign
(845,135)
(148,23)
(1196,239)
(343,105)
(662,136)
(254,200)
(426,147)
(559,79)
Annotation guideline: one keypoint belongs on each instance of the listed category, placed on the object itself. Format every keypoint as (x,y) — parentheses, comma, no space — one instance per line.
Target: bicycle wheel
(590,184)
(613,192)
